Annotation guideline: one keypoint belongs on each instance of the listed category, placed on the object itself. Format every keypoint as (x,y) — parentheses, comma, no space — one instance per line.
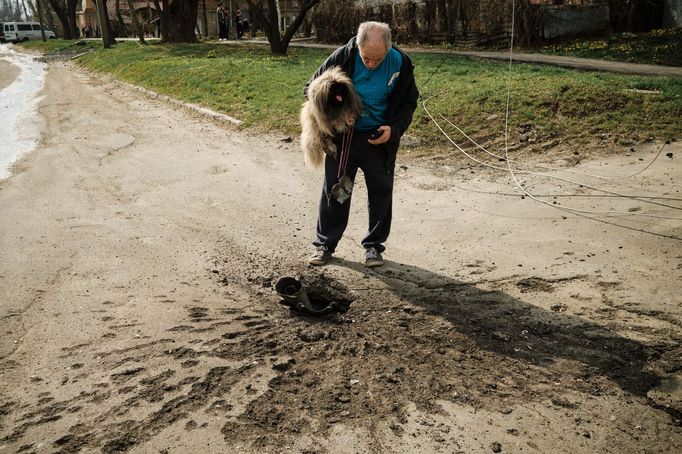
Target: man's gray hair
(369,31)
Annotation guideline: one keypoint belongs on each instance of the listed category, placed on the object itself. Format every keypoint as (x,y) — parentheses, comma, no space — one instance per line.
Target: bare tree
(182,21)
(267,12)
(39,9)
(23,5)
(40,18)
(104,24)
(66,13)
(163,16)
(203,4)
(178,20)
(136,22)
(11,11)
(59,8)
(71,14)
(121,25)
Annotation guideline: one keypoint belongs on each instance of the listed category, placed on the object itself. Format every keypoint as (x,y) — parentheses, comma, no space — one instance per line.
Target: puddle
(21,126)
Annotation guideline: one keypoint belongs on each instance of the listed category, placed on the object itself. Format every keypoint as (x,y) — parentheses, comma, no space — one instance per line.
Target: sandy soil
(138,249)
(8,72)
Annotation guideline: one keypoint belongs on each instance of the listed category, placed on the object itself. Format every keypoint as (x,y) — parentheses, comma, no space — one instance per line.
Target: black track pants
(377,165)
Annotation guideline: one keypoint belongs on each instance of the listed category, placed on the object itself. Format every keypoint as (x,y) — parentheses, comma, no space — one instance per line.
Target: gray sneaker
(373,257)
(321,256)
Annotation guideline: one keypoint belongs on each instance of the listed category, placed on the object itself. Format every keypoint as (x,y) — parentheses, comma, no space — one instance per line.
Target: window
(24,27)
(36,27)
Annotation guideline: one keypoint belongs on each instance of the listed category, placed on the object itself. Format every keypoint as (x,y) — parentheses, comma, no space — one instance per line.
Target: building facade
(86,14)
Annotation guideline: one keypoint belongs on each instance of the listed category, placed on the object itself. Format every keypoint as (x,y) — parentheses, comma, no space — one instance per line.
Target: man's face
(373,53)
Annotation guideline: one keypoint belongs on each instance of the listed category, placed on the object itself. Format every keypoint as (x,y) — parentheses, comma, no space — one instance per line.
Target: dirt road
(139,245)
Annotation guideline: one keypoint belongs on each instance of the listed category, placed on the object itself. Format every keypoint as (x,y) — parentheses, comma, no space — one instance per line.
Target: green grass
(59,46)
(554,102)
(657,47)
(266,92)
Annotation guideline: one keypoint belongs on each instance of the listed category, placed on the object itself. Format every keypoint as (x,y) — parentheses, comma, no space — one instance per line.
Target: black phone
(374,135)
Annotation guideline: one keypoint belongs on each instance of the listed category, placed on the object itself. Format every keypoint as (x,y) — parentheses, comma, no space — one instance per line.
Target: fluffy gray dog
(331,108)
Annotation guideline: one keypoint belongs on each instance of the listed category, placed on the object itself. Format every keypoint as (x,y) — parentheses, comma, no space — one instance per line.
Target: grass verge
(657,47)
(547,104)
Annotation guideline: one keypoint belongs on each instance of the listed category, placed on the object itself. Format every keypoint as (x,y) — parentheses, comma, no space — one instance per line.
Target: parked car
(23,31)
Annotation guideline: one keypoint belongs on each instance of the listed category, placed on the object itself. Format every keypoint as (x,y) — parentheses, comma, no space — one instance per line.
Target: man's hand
(383,138)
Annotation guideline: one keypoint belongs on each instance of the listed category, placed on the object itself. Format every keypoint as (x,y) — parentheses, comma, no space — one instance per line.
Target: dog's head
(334,98)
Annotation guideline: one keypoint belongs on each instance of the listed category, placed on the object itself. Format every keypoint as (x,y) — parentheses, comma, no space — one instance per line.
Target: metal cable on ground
(582,213)
(511,171)
(528,172)
(603,177)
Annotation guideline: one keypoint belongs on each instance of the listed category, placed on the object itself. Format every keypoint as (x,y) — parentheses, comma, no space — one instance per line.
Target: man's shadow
(500,323)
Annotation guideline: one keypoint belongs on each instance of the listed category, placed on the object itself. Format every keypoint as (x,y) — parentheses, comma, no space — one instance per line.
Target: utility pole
(229,27)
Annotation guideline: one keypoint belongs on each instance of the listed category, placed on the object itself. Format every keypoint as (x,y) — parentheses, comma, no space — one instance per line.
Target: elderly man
(383,76)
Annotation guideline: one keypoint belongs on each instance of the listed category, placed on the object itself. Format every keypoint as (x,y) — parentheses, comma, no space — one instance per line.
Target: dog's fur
(332,107)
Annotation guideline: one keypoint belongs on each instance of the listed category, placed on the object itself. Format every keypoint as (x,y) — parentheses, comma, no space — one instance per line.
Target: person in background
(240,24)
(223,22)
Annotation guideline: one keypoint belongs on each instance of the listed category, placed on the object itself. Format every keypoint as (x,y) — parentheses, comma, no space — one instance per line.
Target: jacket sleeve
(406,107)
(333,60)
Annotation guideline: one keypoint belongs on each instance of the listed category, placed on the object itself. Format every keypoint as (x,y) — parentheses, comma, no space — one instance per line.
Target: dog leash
(345,151)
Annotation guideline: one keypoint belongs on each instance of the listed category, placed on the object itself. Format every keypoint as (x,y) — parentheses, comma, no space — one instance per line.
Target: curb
(193,107)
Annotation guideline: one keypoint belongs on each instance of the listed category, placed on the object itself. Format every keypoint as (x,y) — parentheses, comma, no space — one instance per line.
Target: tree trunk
(203,3)
(40,18)
(136,22)
(50,18)
(163,17)
(165,14)
(63,18)
(296,23)
(182,20)
(108,21)
(40,8)
(278,43)
(107,39)
(32,7)
(71,14)
(23,4)
(119,16)
(634,16)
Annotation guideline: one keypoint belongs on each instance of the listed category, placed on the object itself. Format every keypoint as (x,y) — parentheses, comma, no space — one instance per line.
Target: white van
(23,31)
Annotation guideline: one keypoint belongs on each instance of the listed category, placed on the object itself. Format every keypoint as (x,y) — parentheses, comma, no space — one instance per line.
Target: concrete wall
(566,21)
(672,13)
